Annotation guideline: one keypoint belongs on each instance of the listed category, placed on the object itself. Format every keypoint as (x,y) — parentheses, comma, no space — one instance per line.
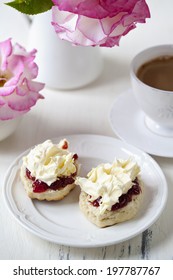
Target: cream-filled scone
(111,193)
(49,171)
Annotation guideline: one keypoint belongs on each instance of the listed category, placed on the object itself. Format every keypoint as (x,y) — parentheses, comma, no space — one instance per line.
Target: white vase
(61,65)
(7,127)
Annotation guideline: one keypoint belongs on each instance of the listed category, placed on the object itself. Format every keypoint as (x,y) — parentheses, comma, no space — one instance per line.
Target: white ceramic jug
(61,65)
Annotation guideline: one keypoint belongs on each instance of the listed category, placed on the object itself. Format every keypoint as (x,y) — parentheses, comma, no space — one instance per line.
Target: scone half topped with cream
(111,193)
(49,171)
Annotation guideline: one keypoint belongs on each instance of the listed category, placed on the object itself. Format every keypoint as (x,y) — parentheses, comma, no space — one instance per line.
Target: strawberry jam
(65,145)
(40,186)
(28,174)
(124,199)
(75,156)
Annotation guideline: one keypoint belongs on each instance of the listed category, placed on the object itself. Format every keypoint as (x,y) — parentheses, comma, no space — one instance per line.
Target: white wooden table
(86,111)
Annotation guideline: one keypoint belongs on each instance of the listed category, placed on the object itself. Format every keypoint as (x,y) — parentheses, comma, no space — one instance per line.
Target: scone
(49,171)
(111,193)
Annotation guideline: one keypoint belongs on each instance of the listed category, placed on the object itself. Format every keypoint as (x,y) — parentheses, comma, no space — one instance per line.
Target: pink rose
(18,91)
(97,22)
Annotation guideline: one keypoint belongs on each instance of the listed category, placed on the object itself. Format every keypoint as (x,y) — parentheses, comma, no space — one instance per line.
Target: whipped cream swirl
(109,181)
(48,161)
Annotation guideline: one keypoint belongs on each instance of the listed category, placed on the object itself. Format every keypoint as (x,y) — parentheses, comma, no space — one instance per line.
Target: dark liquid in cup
(158,73)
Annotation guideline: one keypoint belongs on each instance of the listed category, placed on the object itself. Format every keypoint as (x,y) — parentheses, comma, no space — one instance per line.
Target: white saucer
(128,123)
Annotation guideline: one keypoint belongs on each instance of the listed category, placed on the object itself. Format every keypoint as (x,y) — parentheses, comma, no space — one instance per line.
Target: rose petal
(5,91)
(21,91)
(13,81)
(31,70)
(6,113)
(34,86)
(89,8)
(15,65)
(5,51)
(100,9)
(2,102)
(23,103)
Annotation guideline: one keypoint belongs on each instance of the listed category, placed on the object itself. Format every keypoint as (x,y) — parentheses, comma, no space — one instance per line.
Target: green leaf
(31,7)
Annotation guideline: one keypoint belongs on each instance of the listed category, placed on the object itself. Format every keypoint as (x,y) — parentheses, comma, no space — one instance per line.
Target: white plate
(128,123)
(62,222)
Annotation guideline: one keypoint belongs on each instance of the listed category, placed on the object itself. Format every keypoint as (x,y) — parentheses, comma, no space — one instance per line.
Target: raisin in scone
(111,193)
(49,171)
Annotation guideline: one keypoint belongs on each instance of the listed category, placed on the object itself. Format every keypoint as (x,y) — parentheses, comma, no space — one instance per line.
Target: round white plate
(128,123)
(62,222)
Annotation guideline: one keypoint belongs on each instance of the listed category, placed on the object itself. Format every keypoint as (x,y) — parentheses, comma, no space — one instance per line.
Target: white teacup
(157,104)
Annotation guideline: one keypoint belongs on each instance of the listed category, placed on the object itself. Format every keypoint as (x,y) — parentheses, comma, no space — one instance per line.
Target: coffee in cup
(157,73)
(152,85)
